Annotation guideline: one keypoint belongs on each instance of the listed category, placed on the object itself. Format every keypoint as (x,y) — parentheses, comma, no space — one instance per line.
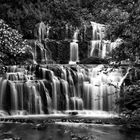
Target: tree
(13,48)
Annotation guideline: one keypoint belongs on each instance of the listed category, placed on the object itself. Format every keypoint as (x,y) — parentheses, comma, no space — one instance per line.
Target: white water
(84,90)
(74,49)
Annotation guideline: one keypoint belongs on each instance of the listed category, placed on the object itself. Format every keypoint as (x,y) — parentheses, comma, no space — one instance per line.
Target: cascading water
(41,31)
(66,31)
(74,50)
(98,47)
(39,53)
(59,88)
(48,31)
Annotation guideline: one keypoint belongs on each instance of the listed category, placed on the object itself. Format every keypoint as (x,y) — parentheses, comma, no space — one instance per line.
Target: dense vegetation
(129,100)
(13,49)
(121,17)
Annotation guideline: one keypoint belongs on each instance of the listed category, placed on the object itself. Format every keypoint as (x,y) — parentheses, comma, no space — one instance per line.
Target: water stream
(66,131)
(52,89)
(74,49)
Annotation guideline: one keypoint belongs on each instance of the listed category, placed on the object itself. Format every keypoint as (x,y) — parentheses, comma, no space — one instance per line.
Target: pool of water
(65,131)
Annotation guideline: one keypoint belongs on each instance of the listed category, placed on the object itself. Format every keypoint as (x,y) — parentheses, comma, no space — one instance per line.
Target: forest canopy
(121,17)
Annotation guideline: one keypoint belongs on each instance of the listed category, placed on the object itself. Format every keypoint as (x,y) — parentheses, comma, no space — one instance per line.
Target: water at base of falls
(60,90)
(65,131)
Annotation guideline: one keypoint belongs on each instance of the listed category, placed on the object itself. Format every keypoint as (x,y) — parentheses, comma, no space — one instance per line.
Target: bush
(129,100)
(13,48)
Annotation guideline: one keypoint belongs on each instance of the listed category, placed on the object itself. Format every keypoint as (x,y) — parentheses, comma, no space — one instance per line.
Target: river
(65,131)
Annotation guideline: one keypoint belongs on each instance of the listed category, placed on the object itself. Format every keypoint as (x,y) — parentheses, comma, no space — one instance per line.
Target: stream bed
(65,131)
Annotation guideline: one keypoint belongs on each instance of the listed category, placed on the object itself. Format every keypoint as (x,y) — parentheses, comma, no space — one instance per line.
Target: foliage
(120,17)
(26,14)
(122,21)
(12,47)
(63,52)
(129,100)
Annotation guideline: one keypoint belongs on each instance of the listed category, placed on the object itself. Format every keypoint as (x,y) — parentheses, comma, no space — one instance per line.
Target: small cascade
(98,48)
(41,53)
(74,49)
(104,88)
(75,36)
(59,88)
(95,51)
(41,31)
(66,31)
(20,95)
(48,31)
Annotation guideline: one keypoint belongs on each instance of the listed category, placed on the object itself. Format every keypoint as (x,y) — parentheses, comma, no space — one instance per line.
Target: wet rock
(29,121)
(93,60)
(3,113)
(74,121)
(75,138)
(99,122)
(88,121)
(63,120)
(7,135)
(69,120)
(49,121)
(40,126)
(16,138)
(85,138)
(73,113)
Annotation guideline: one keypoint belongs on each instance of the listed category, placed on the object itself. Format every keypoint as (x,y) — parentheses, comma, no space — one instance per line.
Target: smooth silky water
(52,89)
(74,49)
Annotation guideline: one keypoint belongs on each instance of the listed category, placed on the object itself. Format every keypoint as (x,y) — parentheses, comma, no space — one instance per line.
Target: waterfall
(95,45)
(59,88)
(74,49)
(3,84)
(104,50)
(41,31)
(75,36)
(48,31)
(74,52)
(97,48)
(40,53)
(66,31)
